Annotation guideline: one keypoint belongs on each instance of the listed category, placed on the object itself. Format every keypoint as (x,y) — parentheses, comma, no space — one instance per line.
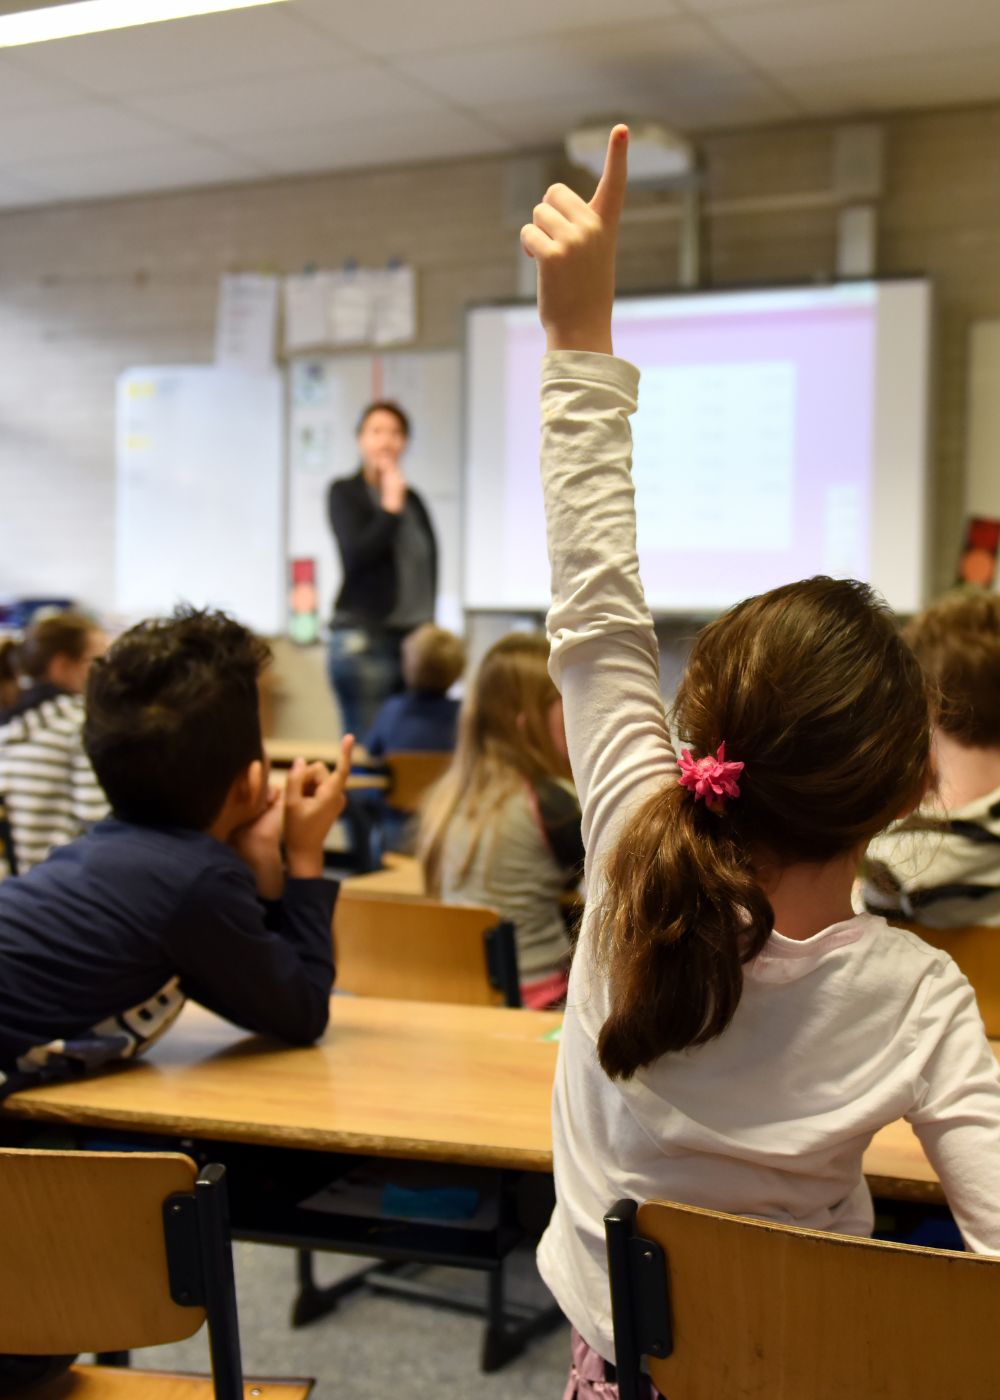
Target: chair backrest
(415,949)
(83,1257)
(410,775)
(977,952)
(778,1313)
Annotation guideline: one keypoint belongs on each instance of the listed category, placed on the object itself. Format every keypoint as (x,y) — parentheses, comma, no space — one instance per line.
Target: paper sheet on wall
(395,306)
(247,322)
(351,306)
(307,300)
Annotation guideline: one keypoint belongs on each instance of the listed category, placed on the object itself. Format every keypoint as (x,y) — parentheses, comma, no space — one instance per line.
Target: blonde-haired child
(502,828)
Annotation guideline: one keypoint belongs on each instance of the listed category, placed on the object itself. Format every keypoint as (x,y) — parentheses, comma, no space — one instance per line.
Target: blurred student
(182,891)
(10,686)
(422,719)
(502,828)
(940,866)
(46,778)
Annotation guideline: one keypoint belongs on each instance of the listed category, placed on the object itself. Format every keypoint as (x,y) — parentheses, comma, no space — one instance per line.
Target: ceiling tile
(287,102)
(386,28)
(601,67)
(427,137)
(74,129)
(20,90)
(130,172)
(187,52)
(911,82)
(15,192)
(726,102)
(858,31)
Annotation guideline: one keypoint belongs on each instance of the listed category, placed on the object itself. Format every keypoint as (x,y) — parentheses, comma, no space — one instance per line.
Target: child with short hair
(182,891)
(423,718)
(502,828)
(706,1057)
(940,866)
(51,793)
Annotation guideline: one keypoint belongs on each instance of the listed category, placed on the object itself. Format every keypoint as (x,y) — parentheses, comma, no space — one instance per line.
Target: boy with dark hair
(182,891)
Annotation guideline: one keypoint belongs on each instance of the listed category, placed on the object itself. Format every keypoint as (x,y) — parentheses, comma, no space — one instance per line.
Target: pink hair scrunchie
(712,780)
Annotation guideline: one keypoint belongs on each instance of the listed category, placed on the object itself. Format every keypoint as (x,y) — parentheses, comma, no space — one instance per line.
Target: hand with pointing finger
(574,245)
(314,799)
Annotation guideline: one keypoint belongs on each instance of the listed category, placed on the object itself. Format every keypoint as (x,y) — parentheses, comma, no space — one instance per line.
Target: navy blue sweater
(414,722)
(100,943)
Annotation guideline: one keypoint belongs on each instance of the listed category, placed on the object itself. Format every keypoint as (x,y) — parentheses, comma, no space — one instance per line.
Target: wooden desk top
(404,877)
(356,782)
(459,1084)
(286,751)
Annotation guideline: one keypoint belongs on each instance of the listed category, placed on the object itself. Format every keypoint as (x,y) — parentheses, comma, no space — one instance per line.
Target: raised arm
(605,658)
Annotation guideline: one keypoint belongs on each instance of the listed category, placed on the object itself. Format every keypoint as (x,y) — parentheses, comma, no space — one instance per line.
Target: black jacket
(366,537)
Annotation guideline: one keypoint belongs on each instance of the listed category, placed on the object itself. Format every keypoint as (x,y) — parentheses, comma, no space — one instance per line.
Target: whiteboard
(328,393)
(200,492)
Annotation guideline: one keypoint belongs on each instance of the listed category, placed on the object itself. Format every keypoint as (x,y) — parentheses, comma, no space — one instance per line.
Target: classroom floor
(375,1347)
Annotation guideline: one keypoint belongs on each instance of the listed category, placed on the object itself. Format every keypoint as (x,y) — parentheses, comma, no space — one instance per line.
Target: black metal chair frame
(509,1326)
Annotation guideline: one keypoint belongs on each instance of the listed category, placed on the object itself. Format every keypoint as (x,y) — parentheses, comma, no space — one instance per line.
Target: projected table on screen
(780,434)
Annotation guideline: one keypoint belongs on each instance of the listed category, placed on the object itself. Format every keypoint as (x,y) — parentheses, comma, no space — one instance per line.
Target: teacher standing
(389,557)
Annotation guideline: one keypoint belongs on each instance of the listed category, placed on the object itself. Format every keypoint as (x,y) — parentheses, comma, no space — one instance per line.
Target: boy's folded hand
(314,799)
(574,244)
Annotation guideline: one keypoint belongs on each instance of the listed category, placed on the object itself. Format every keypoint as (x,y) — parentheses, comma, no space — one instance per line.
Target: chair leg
(113,1358)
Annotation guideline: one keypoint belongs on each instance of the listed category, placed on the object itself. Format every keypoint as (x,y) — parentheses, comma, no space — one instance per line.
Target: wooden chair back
(416,949)
(410,776)
(771,1312)
(977,952)
(83,1260)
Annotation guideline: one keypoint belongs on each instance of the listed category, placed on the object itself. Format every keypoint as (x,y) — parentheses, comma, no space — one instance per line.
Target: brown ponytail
(812,688)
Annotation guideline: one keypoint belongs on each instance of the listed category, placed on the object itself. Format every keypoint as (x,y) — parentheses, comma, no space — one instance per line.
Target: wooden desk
(424,1082)
(456,1084)
(466,1088)
(404,877)
(284,752)
(357,782)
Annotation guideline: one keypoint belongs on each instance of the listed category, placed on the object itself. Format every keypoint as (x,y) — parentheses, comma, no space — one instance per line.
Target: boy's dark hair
(58,634)
(172,716)
(957,642)
(385,406)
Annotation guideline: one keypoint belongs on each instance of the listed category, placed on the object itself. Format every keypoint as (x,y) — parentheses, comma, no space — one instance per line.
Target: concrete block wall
(87,290)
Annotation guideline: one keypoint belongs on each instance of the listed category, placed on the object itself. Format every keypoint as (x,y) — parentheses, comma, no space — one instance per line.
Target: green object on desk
(554,1034)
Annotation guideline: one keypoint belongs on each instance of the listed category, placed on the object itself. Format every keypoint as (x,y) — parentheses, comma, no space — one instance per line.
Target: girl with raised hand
(734,1035)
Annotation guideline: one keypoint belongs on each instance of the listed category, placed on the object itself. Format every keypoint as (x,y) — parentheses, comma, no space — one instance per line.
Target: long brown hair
(58,634)
(504,737)
(811,687)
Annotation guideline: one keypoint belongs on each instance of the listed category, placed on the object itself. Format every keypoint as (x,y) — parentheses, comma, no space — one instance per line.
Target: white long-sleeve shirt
(836,1035)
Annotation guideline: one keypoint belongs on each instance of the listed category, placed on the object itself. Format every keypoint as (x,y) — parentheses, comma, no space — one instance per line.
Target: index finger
(609,197)
(342,771)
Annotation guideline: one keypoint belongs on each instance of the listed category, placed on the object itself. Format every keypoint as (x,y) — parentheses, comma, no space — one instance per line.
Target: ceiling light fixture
(95,16)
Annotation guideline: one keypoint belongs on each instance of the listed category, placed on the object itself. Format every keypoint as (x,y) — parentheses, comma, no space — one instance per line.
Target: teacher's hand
(392,487)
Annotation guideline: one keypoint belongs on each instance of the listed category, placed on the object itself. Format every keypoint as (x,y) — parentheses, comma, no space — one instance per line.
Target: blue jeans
(364,670)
